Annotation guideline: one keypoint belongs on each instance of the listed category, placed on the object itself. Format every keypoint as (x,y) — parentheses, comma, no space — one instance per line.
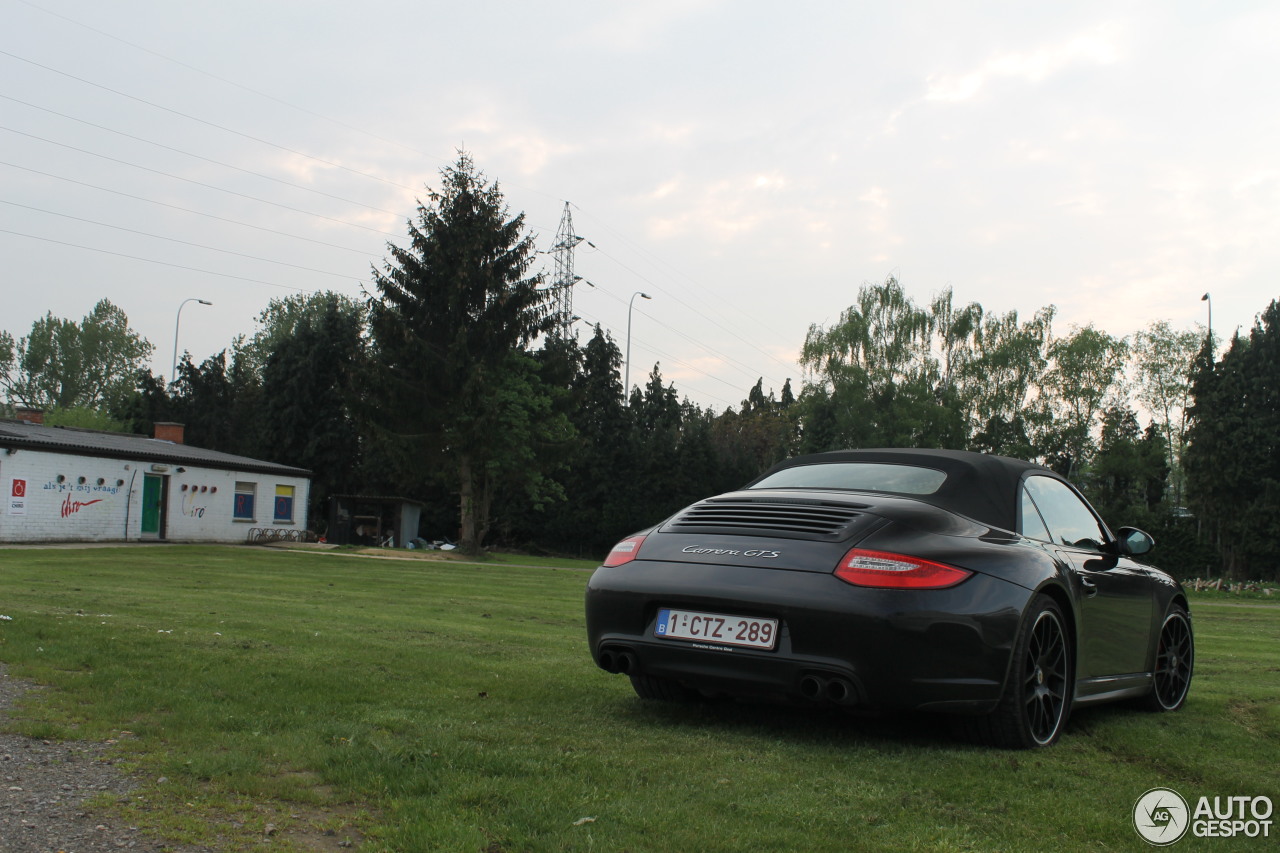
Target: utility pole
(566,240)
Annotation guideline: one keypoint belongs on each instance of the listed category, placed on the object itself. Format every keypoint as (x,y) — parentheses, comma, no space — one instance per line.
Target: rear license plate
(716,628)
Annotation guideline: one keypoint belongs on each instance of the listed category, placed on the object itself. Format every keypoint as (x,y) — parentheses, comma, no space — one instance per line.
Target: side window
(1069,518)
(242,509)
(1031,524)
(284,503)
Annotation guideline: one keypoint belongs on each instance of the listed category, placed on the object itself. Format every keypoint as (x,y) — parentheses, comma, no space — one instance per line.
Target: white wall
(68,511)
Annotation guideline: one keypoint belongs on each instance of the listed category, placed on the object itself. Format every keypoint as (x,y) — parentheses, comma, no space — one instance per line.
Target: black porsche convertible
(929,580)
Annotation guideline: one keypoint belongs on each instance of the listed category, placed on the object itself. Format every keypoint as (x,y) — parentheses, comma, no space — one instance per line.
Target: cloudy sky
(749,165)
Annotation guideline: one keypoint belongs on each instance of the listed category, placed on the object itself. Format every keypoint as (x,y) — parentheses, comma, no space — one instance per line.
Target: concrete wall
(72,498)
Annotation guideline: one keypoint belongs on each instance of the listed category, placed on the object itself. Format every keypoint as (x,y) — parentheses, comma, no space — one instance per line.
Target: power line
(213,76)
(745,368)
(183,209)
(206,122)
(739,365)
(174,239)
(198,183)
(692,308)
(201,157)
(153,261)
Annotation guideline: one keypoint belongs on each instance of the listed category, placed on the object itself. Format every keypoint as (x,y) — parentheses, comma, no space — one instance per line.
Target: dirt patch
(59,796)
(47,789)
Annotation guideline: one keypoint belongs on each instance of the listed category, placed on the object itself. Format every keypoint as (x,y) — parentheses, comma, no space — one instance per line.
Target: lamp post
(626,383)
(1206,298)
(173,371)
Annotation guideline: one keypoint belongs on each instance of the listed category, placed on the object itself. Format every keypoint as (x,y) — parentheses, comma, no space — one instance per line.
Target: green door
(152,492)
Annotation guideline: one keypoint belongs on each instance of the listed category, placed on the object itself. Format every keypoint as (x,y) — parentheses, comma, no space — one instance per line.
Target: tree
(308,383)
(881,340)
(282,318)
(205,399)
(63,364)
(457,309)
(1002,383)
(1233,470)
(878,377)
(1165,360)
(1086,366)
(1129,475)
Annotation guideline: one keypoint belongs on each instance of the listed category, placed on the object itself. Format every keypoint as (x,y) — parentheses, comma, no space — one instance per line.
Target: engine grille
(792,519)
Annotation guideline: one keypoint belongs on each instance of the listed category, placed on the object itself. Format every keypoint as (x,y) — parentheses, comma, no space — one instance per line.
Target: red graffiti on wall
(70,507)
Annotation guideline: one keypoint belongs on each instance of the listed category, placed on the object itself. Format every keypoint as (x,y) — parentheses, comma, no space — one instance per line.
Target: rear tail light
(624,552)
(896,571)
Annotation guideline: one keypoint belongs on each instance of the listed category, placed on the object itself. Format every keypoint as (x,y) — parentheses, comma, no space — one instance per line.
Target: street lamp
(1206,298)
(626,385)
(173,372)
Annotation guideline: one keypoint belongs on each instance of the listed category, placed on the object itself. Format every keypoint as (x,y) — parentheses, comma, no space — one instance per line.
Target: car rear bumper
(944,650)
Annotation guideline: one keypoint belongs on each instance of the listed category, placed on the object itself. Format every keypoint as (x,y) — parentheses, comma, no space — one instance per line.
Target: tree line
(450,381)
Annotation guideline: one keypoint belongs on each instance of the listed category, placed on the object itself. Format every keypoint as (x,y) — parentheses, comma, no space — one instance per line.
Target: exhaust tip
(608,662)
(823,687)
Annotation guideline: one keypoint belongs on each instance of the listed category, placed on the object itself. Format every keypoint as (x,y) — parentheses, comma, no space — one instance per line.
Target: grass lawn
(415,705)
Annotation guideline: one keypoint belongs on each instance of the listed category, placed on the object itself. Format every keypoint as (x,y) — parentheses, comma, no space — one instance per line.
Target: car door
(1114,593)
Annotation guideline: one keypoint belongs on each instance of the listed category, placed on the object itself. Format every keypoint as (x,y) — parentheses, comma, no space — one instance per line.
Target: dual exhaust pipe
(618,660)
(816,687)
(829,688)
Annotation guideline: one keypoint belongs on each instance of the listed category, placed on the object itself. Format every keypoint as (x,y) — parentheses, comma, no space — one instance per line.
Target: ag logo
(19,488)
(1161,817)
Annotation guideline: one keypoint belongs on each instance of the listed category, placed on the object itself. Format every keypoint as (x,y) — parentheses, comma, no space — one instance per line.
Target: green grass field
(413,705)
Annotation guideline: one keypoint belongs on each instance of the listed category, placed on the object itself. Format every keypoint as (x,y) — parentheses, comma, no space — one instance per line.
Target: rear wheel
(1175,661)
(661,689)
(1037,698)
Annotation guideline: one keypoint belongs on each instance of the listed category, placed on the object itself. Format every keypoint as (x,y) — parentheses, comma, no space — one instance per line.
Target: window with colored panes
(284,503)
(244,500)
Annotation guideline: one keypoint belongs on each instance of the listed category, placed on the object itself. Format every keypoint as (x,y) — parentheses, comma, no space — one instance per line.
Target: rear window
(857,476)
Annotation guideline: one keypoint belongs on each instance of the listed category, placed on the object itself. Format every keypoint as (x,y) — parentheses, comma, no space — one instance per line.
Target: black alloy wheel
(1045,677)
(1175,662)
(1037,698)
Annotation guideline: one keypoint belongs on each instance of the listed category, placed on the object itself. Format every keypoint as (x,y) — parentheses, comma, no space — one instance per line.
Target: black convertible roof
(978,485)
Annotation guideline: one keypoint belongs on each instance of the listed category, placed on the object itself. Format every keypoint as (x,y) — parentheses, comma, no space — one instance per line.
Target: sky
(748,165)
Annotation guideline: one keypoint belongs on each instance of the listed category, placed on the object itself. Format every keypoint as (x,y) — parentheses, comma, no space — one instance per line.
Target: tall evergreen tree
(455,312)
(1233,470)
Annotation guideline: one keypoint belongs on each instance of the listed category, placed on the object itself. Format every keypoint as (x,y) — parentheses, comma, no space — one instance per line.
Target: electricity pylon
(564,281)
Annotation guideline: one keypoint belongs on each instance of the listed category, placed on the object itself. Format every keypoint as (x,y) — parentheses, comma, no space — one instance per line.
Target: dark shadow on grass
(810,726)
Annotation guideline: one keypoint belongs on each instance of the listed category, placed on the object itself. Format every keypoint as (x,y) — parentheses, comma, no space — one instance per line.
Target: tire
(1037,697)
(1175,662)
(661,689)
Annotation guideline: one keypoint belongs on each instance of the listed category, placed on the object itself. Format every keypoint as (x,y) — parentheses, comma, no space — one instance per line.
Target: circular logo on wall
(1161,817)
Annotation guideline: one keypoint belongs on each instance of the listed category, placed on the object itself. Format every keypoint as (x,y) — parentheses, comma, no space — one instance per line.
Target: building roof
(24,435)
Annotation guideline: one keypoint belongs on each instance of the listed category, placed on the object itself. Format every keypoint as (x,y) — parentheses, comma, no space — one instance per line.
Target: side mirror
(1134,542)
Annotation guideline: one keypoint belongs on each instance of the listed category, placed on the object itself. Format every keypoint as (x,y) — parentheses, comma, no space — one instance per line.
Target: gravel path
(43,786)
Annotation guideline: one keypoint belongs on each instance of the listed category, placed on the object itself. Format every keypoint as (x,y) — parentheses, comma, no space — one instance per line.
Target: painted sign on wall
(17,497)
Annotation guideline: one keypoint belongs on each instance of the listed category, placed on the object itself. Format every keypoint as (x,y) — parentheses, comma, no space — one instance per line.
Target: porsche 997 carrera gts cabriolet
(882,580)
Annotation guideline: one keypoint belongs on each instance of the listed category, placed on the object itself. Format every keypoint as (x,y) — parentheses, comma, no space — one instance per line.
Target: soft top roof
(978,485)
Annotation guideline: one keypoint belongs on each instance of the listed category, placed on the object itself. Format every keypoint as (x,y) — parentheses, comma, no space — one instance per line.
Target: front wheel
(1175,661)
(1037,698)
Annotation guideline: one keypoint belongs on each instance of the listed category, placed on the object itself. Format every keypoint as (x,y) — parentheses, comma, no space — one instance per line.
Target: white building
(63,484)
